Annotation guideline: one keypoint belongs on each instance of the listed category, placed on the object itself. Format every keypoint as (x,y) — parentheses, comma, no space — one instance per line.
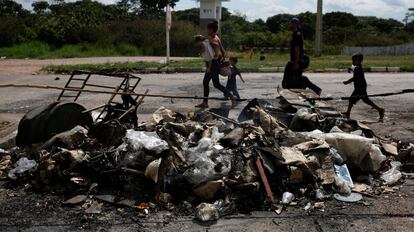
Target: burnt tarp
(296,109)
(44,122)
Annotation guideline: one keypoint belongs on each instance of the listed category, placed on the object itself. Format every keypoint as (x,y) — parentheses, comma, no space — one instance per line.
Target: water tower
(210,10)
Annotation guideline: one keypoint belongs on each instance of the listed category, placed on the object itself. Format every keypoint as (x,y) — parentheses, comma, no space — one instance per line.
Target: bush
(11,30)
(33,49)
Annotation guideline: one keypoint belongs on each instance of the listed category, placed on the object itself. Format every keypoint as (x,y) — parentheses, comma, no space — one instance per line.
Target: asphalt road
(399,121)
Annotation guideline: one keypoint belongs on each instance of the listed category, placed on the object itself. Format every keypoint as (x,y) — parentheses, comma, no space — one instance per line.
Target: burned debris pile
(277,155)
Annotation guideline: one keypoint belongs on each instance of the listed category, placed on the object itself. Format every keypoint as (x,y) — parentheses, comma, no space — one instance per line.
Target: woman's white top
(208,52)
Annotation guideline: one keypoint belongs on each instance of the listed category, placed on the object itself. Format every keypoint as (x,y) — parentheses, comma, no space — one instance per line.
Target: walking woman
(213,67)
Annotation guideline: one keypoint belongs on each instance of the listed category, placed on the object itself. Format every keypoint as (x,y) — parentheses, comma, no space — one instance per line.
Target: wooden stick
(222,117)
(262,173)
(95,108)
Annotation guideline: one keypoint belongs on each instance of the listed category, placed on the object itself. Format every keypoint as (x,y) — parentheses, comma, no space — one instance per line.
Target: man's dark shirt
(360,84)
(297,41)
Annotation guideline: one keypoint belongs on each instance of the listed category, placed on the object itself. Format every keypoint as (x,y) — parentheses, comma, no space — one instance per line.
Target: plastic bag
(204,159)
(287,198)
(342,186)
(343,172)
(23,165)
(216,135)
(148,140)
(211,212)
(375,159)
(208,212)
(352,148)
(204,168)
(393,175)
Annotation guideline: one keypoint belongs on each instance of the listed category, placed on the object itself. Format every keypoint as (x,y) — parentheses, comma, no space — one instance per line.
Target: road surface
(399,121)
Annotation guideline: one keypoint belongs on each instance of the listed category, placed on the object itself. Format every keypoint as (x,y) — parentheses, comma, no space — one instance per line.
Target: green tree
(409,22)
(148,8)
(278,23)
(10,7)
(308,23)
(40,7)
(339,19)
(191,15)
(386,25)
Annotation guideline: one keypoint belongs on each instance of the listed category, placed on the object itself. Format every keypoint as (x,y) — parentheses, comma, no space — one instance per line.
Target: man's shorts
(360,95)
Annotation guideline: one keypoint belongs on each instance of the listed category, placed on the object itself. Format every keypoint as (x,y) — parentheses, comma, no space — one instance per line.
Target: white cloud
(380,8)
(264,8)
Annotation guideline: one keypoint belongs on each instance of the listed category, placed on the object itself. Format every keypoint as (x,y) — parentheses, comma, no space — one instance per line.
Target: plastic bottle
(287,198)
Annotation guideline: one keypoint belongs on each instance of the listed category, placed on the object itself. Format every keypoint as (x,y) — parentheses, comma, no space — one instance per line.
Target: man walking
(293,77)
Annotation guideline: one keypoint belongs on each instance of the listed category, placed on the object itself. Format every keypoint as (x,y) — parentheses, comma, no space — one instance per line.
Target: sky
(255,9)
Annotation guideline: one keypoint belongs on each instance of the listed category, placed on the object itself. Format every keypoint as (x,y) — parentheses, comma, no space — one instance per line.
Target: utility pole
(318,34)
(168,23)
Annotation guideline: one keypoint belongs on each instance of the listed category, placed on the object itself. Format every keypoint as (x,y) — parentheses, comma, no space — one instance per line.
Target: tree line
(141,23)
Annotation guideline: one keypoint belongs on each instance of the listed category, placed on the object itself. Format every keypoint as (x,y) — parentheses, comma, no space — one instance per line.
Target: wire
(404,91)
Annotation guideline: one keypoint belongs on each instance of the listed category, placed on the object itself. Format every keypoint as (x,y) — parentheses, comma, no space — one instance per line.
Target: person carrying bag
(216,67)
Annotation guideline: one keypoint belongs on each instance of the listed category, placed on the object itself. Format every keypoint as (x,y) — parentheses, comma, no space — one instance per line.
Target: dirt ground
(24,66)
(22,211)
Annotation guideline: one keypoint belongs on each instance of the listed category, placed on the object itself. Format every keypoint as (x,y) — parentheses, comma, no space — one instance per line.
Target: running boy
(360,85)
(231,81)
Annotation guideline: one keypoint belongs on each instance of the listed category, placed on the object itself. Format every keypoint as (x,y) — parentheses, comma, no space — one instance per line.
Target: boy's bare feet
(203,105)
(381,114)
(233,101)
(234,104)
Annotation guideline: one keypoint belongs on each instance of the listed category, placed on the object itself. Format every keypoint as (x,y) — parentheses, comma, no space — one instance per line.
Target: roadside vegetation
(42,50)
(272,61)
(86,28)
(4,124)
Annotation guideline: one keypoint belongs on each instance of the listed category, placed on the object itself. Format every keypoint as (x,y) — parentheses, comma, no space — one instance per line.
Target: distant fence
(398,50)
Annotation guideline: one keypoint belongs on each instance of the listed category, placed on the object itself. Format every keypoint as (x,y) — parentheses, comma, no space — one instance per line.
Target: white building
(210,10)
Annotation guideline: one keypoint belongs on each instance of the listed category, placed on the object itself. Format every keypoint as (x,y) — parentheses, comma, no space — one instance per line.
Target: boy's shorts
(360,95)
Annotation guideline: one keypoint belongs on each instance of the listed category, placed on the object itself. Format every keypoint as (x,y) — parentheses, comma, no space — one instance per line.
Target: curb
(273,70)
(256,70)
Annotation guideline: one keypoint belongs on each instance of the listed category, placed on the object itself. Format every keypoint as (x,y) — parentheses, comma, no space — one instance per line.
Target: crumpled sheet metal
(297,98)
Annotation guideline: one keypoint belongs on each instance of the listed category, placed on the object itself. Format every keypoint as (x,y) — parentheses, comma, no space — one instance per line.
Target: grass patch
(4,124)
(272,60)
(328,61)
(108,67)
(42,50)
